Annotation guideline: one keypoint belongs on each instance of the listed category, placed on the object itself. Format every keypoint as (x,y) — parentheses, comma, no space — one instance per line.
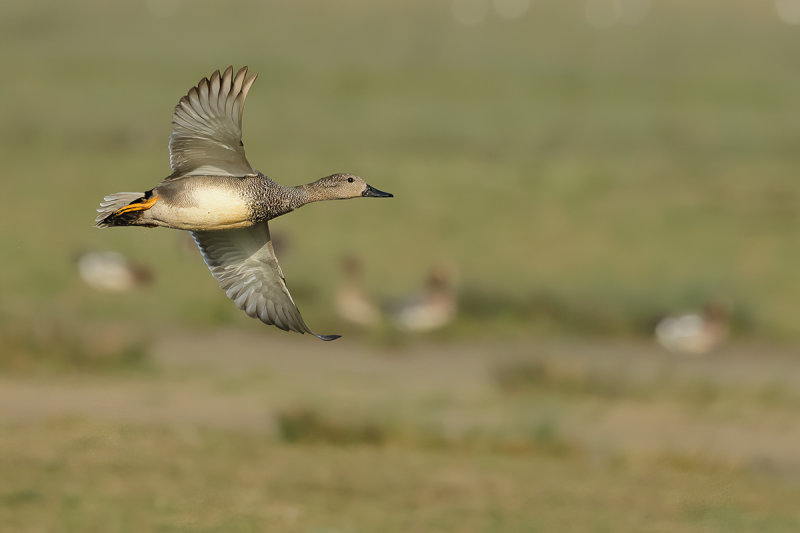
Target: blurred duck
(694,334)
(432,308)
(352,302)
(112,272)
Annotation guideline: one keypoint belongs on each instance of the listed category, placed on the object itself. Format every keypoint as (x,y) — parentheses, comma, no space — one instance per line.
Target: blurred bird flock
(587,194)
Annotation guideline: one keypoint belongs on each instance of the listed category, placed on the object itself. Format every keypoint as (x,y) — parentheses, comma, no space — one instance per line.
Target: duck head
(342,186)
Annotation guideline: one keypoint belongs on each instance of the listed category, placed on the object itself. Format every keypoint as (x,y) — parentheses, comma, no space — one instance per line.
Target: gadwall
(694,333)
(216,194)
(432,308)
(352,302)
(112,272)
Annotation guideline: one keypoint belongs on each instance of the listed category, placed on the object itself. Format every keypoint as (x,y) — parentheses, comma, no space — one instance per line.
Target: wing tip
(327,337)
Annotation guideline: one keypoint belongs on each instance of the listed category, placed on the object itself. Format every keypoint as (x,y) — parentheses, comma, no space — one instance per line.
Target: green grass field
(580,180)
(100,477)
(623,172)
(230,431)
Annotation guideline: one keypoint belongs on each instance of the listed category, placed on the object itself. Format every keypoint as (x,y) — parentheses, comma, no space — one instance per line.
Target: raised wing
(244,263)
(207,127)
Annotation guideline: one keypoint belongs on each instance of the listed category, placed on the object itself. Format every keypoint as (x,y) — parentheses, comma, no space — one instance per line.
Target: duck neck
(309,192)
(280,199)
(275,200)
(297,196)
(300,195)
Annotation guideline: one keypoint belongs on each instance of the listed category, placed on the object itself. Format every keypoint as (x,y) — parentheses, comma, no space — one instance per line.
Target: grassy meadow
(580,176)
(620,172)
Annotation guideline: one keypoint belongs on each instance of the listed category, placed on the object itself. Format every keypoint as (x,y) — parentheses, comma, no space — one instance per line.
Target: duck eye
(349,180)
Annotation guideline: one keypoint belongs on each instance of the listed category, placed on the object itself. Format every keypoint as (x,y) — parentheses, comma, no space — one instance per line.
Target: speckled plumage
(216,194)
(263,198)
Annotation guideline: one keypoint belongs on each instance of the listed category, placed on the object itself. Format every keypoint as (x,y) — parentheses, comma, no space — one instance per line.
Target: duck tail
(123,208)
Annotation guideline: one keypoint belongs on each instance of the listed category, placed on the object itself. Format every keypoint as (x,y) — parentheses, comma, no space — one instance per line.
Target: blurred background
(577,313)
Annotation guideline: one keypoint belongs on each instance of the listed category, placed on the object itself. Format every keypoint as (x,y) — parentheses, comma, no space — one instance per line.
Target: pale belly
(205,208)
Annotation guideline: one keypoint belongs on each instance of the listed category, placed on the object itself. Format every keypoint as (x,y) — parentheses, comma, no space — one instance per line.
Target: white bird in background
(352,302)
(432,308)
(694,334)
(112,272)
